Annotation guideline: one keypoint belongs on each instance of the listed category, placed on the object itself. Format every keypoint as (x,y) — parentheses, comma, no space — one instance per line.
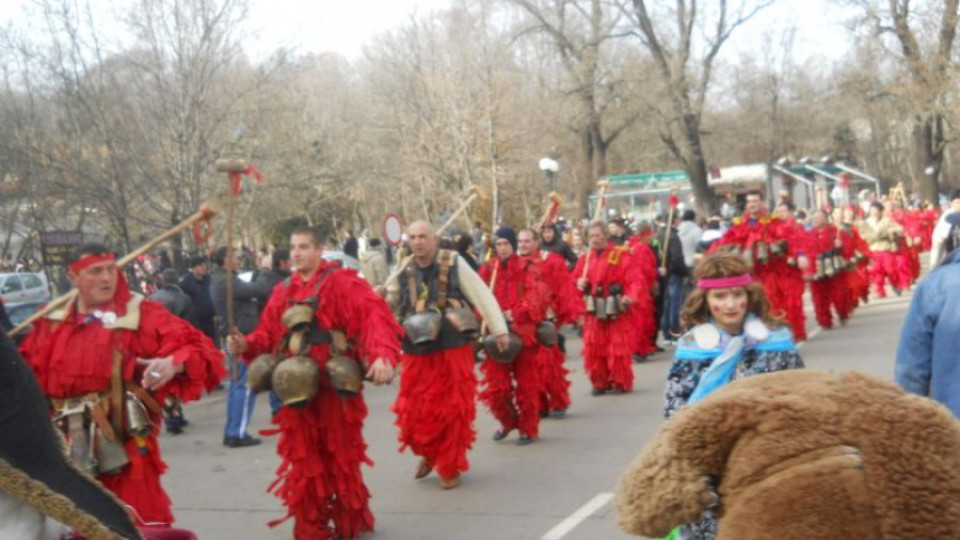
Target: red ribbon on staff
(674,201)
(236,178)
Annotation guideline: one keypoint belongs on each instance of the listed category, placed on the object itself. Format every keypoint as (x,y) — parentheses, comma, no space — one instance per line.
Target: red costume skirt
(608,348)
(883,267)
(138,484)
(831,293)
(554,385)
(321,447)
(436,407)
(512,391)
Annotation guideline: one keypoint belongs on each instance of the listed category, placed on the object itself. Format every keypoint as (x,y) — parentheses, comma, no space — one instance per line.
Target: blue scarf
(729,351)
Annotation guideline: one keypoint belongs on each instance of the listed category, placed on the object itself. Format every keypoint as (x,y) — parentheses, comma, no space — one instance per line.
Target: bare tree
(580,32)
(670,34)
(925,36)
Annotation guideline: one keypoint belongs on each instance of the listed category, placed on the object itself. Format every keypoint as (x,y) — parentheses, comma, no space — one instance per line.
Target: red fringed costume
(856,255)
(646,259)
(773,246)
(436,408)
(516,405)
(321,446)
(908,252)
(829,285)
(72,355)
(608,345)
(436,405)
(564,306)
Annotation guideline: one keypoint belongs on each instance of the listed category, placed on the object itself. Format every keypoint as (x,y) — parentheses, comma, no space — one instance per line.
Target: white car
(23,287)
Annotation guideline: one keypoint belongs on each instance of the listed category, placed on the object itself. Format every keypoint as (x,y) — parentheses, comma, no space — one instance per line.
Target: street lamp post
(550,167)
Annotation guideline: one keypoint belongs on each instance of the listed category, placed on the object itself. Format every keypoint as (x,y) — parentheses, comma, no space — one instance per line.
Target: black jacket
(676,265)
(199,292)
(562,249)
(267,280)
(247,299)
(177,302)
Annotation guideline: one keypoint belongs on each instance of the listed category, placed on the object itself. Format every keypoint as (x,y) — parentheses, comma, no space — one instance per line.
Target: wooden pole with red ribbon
(552,209)
(236,169)
(597,214)
(673,202)
(208,210)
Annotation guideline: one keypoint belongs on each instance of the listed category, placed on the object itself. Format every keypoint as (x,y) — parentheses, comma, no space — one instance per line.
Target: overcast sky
(345,26)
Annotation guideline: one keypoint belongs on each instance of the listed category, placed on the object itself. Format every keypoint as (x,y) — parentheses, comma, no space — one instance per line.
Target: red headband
(90,260)
(725,282)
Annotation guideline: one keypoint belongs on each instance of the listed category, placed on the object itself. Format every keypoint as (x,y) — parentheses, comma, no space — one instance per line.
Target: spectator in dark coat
(465,247)
(196,283)
(177,302)
(247,301)
(673,275)
(553,243)
(173,298)
(279,270)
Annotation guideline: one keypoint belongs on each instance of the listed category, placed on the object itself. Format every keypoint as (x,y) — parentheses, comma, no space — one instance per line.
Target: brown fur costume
(802,455)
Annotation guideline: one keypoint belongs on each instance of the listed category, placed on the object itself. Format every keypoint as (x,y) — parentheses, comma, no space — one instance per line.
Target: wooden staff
(555,202)
(206,211)
(474,195)
(673,202)
(231,167)
(597,214)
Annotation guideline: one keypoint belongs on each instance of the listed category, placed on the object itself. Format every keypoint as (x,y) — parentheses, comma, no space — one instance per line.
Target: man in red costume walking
(856,256)
(618,294)
(512,390)
(436,406)
(828,286)
(564,306)
(321,444)
(106,353)
(775,247)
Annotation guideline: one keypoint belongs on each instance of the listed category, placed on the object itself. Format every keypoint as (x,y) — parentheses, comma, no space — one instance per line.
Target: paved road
(511,493)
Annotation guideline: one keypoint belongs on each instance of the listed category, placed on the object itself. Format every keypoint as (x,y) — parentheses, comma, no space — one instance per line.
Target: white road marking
(582,513)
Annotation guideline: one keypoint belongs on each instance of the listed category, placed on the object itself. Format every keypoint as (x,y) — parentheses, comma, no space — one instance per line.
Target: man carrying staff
(103,358)
(511,390)
(321,443)
(564,306)
(616,299)
(436,406)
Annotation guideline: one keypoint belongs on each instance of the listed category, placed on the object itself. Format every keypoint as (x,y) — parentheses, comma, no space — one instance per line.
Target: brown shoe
(423,469)
(450,482)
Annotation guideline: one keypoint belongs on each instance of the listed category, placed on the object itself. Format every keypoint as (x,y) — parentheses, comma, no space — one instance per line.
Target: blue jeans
(674,297)
(240,402)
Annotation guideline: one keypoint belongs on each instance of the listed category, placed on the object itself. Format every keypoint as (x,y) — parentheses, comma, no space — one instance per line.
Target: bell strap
(116,393)
(144,396)
(98,406)
(443,277)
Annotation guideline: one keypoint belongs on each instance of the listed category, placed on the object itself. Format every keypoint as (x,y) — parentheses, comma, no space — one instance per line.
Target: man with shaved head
(436,405)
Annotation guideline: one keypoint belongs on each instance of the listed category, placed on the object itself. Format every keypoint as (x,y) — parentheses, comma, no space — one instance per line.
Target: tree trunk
(928,152)
(706,201)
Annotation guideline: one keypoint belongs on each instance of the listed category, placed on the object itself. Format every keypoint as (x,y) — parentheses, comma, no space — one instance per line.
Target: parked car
(23,287)
(21,312)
